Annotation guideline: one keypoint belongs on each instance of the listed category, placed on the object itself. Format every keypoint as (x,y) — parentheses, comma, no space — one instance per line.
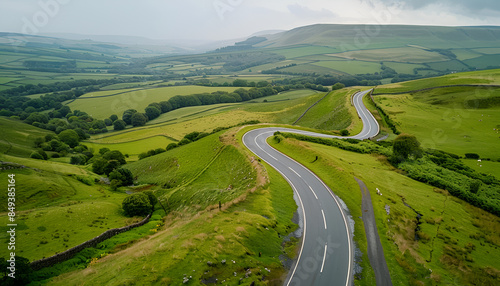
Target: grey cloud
(305,12)
(464,5)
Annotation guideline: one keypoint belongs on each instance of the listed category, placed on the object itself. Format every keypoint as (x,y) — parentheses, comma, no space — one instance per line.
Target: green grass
(485,167)
(178,166)
(403,67)
(297,52)
(404,55)
(103,107)
(448,66)
(478,77)
(18,137)
(440,121)
(134,147)
(224,179)
(447,220)
(55,209)
(332,113)
(351,67)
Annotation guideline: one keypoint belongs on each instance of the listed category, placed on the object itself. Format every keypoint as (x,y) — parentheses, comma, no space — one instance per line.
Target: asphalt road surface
(326,255)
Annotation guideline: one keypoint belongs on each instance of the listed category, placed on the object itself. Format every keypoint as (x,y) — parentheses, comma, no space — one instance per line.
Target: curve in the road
(326,255)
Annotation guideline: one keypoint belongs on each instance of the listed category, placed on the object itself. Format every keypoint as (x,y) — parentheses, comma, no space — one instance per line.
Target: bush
(78,159)
(472,156)
(123,177)
(36,155)
(405,146)
(137,205)
(344,132)
(171,146)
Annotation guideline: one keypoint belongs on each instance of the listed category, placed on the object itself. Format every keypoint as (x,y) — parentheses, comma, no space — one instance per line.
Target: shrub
(36,155)
(472,156)
(344,132)
(137,205)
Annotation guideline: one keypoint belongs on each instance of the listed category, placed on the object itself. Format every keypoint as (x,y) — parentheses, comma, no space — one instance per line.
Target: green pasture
(483,166)
(301,51)
(134,147)
(448,121)
(404,54)
(488,77)
(331,113)
(101,105)
(351,66)
(58,206)
(18,138)
(403,67)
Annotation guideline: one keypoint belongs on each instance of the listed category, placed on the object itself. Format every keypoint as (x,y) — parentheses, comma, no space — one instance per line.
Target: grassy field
(103,104)
(485,167)
(18,138)
(447,119)
(331,113)
(55,209)
(351,66)
(133,148)
(479,77)
(406,54)
(452,233)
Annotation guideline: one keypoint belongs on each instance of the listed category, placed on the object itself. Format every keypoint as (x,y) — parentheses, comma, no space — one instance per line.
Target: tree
(78,159)
(22,269)
(123,176)
(137,205)
(171,146)
(344,132)
(69,137)
(127,115)
(338,85)
(406,145)
(152,198)
(98,165)
(108,122)
(119,125)
(114,155)
(152,112)
(113,117)
(139,119)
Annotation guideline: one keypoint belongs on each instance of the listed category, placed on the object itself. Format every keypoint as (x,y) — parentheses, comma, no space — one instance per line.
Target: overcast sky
(227,19)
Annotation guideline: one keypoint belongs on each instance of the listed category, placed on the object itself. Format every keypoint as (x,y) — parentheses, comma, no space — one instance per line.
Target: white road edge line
(324,258)
(324,219)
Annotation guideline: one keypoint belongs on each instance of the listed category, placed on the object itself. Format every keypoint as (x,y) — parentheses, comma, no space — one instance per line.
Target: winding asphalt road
(326,255)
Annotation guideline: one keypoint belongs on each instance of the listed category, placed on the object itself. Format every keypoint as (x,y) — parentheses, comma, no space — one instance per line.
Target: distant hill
(378,36)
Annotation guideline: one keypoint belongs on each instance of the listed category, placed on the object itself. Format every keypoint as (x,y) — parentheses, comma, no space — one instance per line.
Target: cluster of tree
(67,142)
(63,119)
(135,118)
(107,161)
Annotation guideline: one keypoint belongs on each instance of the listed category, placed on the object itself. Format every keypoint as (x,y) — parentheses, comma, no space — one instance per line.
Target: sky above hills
(228,19)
